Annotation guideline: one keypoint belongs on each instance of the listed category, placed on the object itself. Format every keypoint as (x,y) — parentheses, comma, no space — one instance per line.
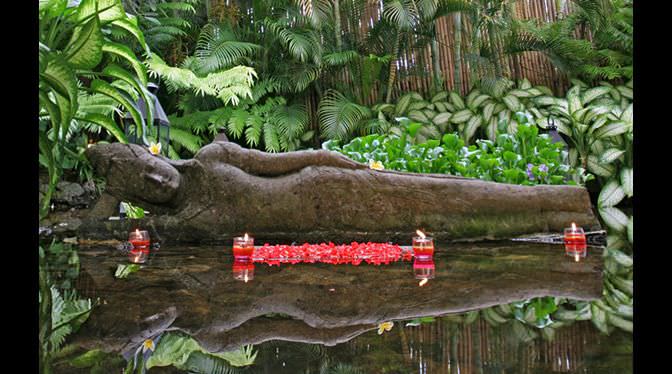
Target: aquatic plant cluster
(525,157)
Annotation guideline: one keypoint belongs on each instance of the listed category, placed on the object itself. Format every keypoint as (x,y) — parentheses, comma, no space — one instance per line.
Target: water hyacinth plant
(524,157)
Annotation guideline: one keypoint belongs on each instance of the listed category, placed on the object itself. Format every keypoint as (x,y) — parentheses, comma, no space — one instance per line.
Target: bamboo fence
(414,66)
(444,347)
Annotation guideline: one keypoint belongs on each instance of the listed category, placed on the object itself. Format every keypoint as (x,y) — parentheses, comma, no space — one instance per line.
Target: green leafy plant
(183,352)
(522,158)
(73,45)
(61,311)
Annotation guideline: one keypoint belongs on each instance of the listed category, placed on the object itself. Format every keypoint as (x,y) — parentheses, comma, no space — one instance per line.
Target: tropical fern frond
(185,139)
(254,125)
(230,85)
(271,138)
(339,117)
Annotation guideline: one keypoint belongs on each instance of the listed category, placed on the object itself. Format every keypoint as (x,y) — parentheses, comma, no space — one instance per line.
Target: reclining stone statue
(319,195)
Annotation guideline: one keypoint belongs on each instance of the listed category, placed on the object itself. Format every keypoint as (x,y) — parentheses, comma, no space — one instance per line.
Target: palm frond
(339,117)
(290,120)
(302,44)
(217,48)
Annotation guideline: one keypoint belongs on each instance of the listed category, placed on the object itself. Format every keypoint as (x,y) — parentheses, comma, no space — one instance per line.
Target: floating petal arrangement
(353,253)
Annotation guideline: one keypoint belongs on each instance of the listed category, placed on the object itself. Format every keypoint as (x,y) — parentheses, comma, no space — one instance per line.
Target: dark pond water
(323,318)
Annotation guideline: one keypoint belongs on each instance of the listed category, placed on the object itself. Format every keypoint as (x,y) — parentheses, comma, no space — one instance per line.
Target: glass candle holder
(243,270)
(423,247)
(575,236)
(139,240)
(423,269)
(243,247)
(575,242)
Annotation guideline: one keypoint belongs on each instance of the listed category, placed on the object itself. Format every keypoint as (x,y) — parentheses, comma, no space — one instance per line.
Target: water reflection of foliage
(61,311)
(184,352)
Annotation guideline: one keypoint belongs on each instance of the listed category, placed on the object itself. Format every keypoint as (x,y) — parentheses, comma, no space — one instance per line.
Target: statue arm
(261,163)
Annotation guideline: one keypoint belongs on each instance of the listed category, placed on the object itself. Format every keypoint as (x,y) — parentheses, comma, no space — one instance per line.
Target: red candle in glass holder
(575,242)
(423,246)
(139,239)
(243,247)
(243,270)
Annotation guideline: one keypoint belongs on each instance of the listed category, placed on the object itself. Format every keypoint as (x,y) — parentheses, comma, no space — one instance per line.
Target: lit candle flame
(245,277)
(137,232)
(576,257)
(573,226)
(420,233)
(246,237)
(423,282)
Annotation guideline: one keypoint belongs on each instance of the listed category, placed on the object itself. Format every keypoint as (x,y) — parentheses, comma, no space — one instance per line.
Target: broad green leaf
(456,100)
(52,8)
(131,26)
(625,91)
(519,93)
(126,53)
(442,118)
(615,242)
(107,123)
(630,229)
(402,105)
(614,218)
(511,102)
(523,333)
(106,89)
(110,10)
(173,349)
(612,129)
(85,49)
(620,322)
(627,177)
(480,99)
(620,257)
(593,93)
(627,115)
(488,110)
(611,155)
(61,78)
(441,96)
(599,318)
(603,170)
(120,73)
(574,99)
(461,116)
(472,125)
(611,194)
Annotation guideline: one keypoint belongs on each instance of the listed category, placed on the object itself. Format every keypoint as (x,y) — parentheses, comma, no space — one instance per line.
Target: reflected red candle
(423,246)
(243,270)
(423,269)
(243,247)
(139,239)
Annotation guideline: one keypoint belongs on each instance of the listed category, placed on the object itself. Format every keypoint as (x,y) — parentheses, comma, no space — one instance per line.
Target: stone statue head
(134,174)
